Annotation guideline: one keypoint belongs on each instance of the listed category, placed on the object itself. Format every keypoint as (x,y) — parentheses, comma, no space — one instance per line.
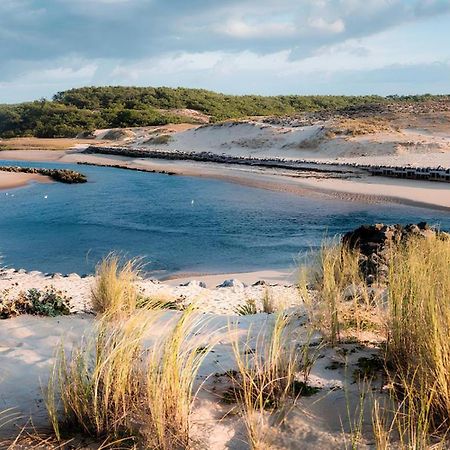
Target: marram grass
(115,291)
(414,319)
(116,385)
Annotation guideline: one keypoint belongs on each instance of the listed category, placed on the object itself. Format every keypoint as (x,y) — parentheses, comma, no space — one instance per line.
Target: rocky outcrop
(61,175)
(374,241)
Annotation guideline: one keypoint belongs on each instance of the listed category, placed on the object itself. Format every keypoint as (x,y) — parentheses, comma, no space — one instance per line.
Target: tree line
(86,109)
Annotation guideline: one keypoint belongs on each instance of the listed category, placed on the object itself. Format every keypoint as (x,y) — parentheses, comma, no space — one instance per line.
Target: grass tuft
(114,292)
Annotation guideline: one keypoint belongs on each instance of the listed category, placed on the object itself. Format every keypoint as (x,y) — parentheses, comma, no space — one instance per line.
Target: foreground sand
(28,344)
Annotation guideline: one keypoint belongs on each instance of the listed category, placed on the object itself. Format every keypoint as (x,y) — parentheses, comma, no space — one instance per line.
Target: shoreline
(10,180)
(365,189)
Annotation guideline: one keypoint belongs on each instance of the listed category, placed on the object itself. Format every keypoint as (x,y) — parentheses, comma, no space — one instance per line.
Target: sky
(268,47)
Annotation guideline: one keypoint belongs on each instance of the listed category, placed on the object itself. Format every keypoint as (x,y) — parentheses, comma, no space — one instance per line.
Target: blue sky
(232,46)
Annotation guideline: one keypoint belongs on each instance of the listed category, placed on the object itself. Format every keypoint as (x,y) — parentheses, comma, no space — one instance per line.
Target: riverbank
(9,180)
(363,188)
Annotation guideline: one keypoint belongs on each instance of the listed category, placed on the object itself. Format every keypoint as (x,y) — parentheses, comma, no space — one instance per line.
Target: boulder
(374,241)
(233,282)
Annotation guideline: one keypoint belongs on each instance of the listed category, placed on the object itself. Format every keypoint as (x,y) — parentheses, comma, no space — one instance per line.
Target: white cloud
(337,26)
(241,29)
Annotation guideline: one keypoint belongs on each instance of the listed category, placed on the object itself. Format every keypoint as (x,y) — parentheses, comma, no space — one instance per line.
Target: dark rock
(374,241)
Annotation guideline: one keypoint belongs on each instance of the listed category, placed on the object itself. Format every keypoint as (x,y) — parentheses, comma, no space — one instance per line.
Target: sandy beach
(15,180)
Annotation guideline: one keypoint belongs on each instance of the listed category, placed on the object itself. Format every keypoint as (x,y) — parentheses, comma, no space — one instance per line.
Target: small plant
(248,308)
(266,377)
(162,139)
(268,302)
(159,301)
(48,302)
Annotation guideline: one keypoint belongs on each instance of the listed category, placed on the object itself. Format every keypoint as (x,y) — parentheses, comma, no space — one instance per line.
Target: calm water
(177,223)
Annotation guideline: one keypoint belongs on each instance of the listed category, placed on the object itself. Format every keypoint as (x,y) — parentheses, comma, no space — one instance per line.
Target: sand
(28,344)
(9,180)
(415,147)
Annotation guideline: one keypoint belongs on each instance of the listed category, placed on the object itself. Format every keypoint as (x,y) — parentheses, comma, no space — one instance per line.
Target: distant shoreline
(367,189)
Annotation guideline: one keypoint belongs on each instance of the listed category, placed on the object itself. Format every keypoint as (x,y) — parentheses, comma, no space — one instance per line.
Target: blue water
(179,224)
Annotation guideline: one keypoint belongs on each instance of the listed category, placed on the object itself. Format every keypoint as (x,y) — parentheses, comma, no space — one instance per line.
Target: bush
(48,302)
(114,292)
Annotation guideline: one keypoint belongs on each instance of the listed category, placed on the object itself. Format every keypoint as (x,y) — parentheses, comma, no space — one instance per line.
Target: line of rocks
(120,166)
(276,163)
(346,169)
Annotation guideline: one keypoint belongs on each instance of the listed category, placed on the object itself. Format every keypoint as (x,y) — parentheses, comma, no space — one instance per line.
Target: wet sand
(10,180)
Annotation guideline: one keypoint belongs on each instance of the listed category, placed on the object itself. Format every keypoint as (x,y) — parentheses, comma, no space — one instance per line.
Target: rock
(233,282)
(73,275)
(194,283)
(260,283)
(34,272)
(21,271)
(56,276)
(374,241)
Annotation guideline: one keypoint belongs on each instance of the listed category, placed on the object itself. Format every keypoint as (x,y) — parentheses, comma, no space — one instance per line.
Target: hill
(89,108)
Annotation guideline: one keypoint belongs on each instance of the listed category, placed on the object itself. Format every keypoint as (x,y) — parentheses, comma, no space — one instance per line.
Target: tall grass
(114,291)
(418,345)
(414,317)
(169,391)
(341,301)
(266,379)
(116,385)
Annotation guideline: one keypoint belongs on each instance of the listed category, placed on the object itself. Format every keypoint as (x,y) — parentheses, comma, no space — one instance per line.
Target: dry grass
(32,143)
(267,377)
(117,386)
(359,127)
(416,320)
(341,303)
(418,345)
(115,291)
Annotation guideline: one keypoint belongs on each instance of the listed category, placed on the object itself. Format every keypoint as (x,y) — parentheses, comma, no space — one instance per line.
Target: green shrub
(48,302)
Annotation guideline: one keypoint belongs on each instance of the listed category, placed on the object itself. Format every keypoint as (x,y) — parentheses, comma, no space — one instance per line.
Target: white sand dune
(313,142)
(27,352)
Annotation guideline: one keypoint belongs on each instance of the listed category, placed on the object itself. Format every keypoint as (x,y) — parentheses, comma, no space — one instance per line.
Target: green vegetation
(48,302)
(86,109)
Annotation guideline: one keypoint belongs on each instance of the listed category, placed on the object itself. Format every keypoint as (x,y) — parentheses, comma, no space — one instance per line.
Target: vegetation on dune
(86,109)
(410,314)
(117,387)
(132,380)
(47,302)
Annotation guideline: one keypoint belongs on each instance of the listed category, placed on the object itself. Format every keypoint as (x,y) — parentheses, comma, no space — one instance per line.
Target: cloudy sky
(232,46)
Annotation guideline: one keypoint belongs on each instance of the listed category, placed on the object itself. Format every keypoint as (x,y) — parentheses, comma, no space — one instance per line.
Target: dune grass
(418,345)
(414,319)
(266,381)
(119,386)
(114,291)
(340,301)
